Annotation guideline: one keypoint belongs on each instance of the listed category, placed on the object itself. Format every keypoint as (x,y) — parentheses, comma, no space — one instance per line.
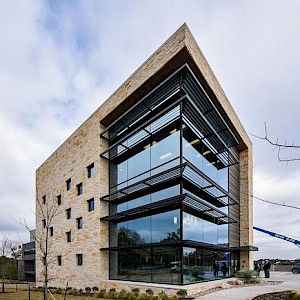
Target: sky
(60,60)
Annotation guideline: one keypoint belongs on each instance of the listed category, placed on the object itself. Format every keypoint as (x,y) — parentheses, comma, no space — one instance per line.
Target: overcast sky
(59,60)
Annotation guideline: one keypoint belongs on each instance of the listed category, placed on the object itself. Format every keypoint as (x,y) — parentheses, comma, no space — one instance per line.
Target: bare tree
(46,210)
(5,247)
(280,147)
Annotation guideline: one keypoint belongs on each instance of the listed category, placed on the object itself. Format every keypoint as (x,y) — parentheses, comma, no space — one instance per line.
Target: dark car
(296,268)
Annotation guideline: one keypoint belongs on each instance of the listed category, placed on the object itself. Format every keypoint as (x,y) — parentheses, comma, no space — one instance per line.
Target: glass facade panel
(156,196)
(200,230)
(147,264)
(164,259)
(136,167)
(165,227)
(197,153)
(204,265)
(159,228)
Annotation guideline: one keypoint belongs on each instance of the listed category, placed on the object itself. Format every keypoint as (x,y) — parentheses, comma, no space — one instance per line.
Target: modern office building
(156,185)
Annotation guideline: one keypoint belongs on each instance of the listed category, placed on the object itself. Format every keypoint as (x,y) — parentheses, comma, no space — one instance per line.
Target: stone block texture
(83,147)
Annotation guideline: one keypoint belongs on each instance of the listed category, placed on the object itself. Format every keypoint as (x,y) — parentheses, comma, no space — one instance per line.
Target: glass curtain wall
(166,147)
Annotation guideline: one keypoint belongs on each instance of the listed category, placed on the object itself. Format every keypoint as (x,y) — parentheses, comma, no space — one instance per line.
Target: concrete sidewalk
(290,282)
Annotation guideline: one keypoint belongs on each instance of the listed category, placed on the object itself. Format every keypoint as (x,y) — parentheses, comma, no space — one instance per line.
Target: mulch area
(274,296)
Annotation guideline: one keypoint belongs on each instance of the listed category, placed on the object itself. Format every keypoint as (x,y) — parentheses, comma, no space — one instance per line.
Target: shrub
(248,276)
(295,295)
(163,296)
(73,292)
(135,290)
(149,291)
(87,289)
(95,289)
(101,293)
(144,296)
(182,293)
(173,297)
(122,295)
(133,296)
(58,291)
(111,294)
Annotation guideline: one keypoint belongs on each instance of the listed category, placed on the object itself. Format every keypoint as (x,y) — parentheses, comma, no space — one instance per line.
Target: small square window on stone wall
(44,199)
(51,231)
(91,170)
(44,223)
(59,260)
(79,259)
(79,189)
(69,184)
(91,204)
(59,200)
(68,236)
(68,212)
(79,223)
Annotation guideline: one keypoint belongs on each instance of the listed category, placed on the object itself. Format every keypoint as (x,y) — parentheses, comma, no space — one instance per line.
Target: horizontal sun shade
(183,81)
(192,116)
(155,98)
(193,88)
(198,205)
(186,171)
(140,135)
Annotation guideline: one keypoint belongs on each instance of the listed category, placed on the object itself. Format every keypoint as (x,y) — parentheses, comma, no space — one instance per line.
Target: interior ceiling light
(206,152)
(165,155)
(173,131)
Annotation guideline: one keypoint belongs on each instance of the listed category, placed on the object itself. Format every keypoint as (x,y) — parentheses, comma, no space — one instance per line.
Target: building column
(246,207)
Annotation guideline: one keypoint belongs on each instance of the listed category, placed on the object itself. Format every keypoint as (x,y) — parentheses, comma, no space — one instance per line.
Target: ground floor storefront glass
(171,265)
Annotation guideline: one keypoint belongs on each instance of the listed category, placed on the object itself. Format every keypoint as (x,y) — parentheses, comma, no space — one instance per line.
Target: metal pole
(28,291)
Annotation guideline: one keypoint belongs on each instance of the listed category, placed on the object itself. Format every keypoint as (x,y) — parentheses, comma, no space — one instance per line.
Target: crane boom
(279,236)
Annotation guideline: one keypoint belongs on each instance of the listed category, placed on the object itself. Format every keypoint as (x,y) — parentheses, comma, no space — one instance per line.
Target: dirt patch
(274,296)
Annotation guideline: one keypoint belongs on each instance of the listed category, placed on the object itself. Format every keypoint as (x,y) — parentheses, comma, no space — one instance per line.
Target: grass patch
(23,295)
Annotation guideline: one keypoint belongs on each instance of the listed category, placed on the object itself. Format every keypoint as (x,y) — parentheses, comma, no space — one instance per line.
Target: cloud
(60,60)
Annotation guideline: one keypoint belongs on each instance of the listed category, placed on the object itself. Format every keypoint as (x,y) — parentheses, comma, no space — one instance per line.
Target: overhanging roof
(180,48)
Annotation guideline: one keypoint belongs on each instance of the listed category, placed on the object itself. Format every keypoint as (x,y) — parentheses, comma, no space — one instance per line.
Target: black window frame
(79,258)
(51,231)
(69,236)
(90,201)
(59,199)
(79,223)
(44,199)
(69,213)
(90,170)
(79,187)
(69,184)
(59,260)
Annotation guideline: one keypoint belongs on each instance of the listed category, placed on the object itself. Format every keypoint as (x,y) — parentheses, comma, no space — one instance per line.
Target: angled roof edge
(182,39)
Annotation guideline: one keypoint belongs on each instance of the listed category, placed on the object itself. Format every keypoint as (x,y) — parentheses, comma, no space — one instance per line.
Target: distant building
(26,265)
(156,185)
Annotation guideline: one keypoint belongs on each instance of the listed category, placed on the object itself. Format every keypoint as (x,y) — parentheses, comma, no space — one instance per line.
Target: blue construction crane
(279,236)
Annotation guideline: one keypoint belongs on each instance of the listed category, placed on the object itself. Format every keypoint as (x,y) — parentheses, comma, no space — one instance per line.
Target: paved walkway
(290,282)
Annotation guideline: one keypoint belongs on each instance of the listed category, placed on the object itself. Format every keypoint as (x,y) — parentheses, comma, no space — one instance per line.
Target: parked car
(296,268)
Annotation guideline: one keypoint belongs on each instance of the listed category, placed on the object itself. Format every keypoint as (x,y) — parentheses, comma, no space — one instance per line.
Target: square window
(51,231)
(68,211)
(79,259)
(59,260)
(59,200)
(69,184)
(44,199)
(79,189)
(44,223)
(79,223)
(91,204)
(91,170)
(68,236)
